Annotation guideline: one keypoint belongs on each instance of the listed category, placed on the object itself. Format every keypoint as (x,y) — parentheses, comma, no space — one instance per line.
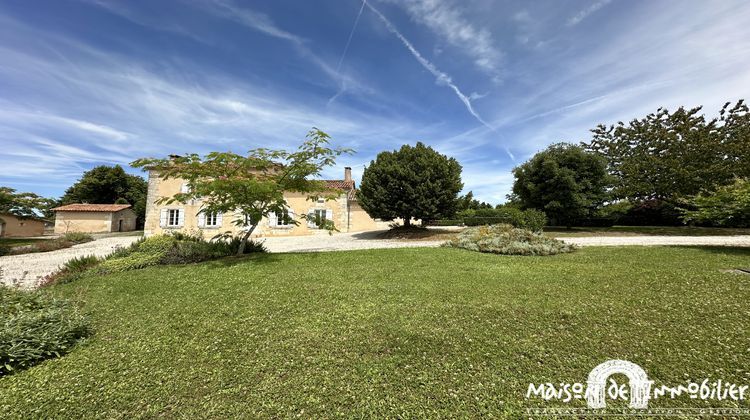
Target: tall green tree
(564,181)
(107,185)
(23,204)
(726,206)
(412,182)
(671,155)
(468,202)
(250,187)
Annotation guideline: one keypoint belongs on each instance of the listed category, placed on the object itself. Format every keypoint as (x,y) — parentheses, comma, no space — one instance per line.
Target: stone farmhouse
(344,211)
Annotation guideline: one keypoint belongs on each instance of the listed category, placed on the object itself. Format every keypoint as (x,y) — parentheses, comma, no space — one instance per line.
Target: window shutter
(291,216)
(163,217)
(201,219)
(219,218)
(272,220)
(184,188)
(329,214)
(311,218)
(181,218)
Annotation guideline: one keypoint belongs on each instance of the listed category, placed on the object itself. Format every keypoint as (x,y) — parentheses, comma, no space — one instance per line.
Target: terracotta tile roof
(339,184)
(93,207)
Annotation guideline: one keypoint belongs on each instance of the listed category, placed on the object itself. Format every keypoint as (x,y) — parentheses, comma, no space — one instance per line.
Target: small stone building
(94,218)
(12,226)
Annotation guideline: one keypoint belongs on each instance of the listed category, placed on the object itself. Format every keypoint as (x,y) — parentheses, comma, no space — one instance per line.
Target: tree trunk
(407,221)
(245,237)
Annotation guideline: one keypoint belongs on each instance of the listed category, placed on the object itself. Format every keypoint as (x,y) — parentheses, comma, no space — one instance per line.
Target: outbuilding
(12,226)
(94,218)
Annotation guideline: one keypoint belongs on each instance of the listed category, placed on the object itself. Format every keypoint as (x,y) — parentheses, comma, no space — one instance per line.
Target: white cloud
(98,107)
(440,77)
(251,19)
(448,21)
(586,12)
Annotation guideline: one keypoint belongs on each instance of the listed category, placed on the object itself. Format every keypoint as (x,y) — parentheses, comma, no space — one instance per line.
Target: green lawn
(397,333)
(644,230)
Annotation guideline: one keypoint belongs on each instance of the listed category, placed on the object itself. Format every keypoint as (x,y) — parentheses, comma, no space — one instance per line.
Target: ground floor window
(173,217)
(282,218)
(316,218)
(212,219)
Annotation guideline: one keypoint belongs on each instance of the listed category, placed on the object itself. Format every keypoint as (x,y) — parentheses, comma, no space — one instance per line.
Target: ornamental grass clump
(507,240)
(177,248)
(143,254)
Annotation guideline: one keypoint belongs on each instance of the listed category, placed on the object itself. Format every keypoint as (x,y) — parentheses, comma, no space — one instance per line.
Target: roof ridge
(92,207)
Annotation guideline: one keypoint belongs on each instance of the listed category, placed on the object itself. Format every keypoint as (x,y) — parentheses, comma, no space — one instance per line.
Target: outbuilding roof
(93,207)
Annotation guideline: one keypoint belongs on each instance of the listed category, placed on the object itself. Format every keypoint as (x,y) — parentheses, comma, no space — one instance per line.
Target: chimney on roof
(347,174)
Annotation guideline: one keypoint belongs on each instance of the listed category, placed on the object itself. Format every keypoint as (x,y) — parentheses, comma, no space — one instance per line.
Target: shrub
(507,240)
(65,241)
(143,253)
(651,213)
(446,222)
(133,261)
(194,236)
(187,252)
(157,244)
(83,263)
(595,222)
(4,249)
(526,219)
(71,270)
(46,246)
(173,249)
(728,206)
(77,237)
(250,248)
(533,220)
(127,250)
(36,326)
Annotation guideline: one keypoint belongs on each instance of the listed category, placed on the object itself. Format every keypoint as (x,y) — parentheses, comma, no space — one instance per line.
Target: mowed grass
(390,333)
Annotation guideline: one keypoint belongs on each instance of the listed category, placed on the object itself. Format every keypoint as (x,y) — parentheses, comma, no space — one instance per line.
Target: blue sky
(490,83)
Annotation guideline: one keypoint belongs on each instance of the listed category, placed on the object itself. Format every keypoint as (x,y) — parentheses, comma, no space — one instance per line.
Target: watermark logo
(639,391)
(640,386)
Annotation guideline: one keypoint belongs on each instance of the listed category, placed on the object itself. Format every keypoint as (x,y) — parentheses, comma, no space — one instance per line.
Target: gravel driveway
(368,240)
(339,242)
(743,240)
(27,269)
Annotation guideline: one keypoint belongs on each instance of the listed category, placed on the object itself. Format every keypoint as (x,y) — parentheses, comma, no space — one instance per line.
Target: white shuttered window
(172,218)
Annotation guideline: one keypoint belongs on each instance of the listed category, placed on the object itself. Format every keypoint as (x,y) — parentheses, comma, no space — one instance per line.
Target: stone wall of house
(12,226)
(360,221)
(128,218)
(152,212)
(83,221)
(297,203)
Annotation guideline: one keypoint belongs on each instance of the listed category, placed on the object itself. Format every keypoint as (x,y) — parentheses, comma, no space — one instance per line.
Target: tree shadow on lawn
(255,258)
(412,233)
(718,249)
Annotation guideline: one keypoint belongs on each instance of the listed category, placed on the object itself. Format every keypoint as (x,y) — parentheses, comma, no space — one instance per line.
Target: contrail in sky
(351,35)
(441,77)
